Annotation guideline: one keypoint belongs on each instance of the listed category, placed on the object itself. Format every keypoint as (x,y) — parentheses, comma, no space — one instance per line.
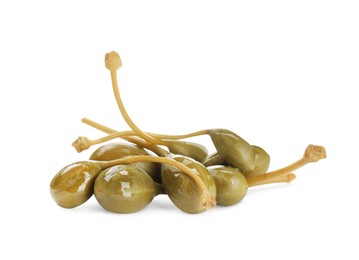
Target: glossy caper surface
(125,189)
(214,159)
(119,150)
(234,150)
(73,184)
(261,161)
(193,150)
(182,189)
(230,183)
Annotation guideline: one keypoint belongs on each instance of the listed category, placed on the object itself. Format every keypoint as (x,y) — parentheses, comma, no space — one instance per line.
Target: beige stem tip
(113,61)
(208,201)
(314,153)
(81,144)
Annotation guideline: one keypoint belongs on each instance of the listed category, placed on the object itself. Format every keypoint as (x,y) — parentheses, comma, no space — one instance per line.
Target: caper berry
(214,159)
(233,149)
(125,189)
(182,190)
(73,184)
(113,151)
(230,183)
(193,150)
(261,161)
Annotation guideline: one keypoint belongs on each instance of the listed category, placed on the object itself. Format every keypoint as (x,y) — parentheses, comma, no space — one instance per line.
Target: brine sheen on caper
(230,183)
(181,189)
(73,184)
(125,189)
(118,150)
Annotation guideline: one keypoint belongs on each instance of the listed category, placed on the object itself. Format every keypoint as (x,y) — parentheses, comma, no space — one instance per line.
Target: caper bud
(113,151)
(193,150)
(182,189)
(73,184)
(214,159)
(261,161)
(230,183)
(125,189)
(233,149)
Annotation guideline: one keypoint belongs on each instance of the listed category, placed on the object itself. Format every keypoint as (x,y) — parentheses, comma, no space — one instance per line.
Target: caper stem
(313,153)
(78,144)
(284,178)
(154,148)
(207,199)
(111,136)
(142,143)
(98,126)
(83,143)
(114,134)
(124,113)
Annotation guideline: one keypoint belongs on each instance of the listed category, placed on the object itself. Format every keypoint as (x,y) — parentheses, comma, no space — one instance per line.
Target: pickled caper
(125,189)
(73,184)
(233,149)
(193,150)
(261,162)
(230,183)
(214,159)
(114,151)
(182,190)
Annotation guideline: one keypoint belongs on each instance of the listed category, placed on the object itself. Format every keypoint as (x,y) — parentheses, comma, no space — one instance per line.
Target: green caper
(193,150)
(233,149)
(230,183)
(214,159)
(261,161)
(113,151)
(125,189)
(181,188)
(73,184)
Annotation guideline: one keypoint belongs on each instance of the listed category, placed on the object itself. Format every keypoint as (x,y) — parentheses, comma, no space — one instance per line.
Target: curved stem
(154,148)
(284,178)
(111,137)
(207,198)
(98,126)
(83,143)
(142,143)
(125,115)
(313,153)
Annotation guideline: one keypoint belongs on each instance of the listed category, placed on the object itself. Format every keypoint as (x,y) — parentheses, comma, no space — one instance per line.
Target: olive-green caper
(182,189)
(193,150)
(261,161)
(233,149)
(73,184)
(214,159)
(125,189)
(230,183)
(113,151)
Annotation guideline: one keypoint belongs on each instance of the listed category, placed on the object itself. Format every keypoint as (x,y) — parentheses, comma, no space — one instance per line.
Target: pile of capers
(126,176)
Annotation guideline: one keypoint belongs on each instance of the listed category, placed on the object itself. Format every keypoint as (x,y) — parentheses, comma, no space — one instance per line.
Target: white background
(281,74)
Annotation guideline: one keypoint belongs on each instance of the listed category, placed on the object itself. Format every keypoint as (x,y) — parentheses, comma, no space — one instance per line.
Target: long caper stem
(313,153)
(284,178)
(98,126)
(154,148)
(207,198)
(142,143)
(111,58)
(82,143)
